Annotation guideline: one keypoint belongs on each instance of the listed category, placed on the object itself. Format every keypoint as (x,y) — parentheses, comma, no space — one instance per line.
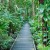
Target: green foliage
(41,47)
(13,12)
(5,18)
(5,40)
(42,11)
(36,30)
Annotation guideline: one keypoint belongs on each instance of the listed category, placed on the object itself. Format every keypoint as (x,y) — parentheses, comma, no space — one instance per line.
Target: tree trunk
(2,1)
(33,9)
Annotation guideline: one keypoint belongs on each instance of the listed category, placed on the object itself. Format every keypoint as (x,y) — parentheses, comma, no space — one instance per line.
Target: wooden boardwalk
(24,41)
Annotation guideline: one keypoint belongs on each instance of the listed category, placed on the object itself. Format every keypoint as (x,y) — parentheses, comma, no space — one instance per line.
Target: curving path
(24,40)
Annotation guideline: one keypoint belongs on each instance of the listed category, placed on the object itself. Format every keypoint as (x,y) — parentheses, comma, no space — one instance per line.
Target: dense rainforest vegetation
(14,13)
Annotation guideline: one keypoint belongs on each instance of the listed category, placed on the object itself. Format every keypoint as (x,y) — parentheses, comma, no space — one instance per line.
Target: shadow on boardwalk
(24,41)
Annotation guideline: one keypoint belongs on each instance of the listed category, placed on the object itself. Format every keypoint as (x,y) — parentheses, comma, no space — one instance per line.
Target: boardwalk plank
(24,41)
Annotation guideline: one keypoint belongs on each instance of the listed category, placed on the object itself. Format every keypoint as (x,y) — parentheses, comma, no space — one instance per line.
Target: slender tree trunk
(9,5)
(33,8)
(2,1)
(44,29)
